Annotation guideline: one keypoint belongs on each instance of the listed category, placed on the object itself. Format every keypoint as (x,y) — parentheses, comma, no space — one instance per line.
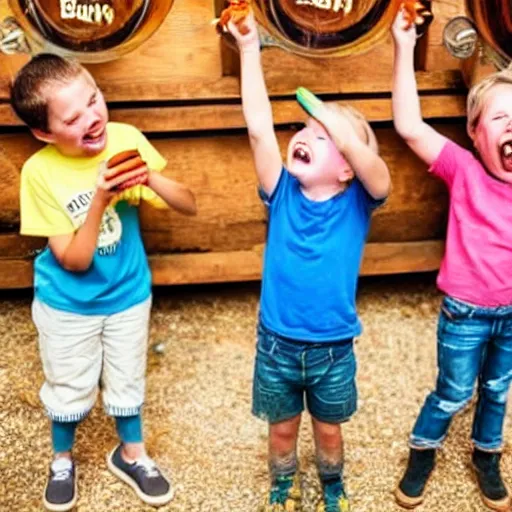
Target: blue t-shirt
(312,259)
(118,278)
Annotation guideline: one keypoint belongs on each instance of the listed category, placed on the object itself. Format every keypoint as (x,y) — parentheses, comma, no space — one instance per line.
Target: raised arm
(369,168)
(256,107)
(426,142)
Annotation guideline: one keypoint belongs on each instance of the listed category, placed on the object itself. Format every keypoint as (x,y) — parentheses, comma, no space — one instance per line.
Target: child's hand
(404,33)
(103,187)
(339,127)
(250,39)
(110,182)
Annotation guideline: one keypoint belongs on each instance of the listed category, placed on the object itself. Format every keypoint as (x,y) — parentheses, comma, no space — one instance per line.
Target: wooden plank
(13,246)
(16,273)
(218,117)
(401,258)
(213,267)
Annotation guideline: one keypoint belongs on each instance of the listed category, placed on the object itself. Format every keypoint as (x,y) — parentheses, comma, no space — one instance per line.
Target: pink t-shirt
(477,265)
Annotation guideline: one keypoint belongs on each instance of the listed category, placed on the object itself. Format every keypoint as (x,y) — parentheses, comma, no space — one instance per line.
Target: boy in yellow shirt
(92,283)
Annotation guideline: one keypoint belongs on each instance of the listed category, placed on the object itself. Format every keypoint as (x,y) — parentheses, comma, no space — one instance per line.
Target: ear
(42,135)
(471,132)
(346,174)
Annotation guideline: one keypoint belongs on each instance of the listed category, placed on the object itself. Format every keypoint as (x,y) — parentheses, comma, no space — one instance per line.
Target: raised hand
(338,125)
(403,31)
(245,33)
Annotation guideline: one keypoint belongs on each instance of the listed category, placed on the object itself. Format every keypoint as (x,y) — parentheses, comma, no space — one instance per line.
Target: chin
(298,170)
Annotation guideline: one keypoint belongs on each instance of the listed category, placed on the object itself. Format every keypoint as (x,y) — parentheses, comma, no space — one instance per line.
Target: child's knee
(327,434)
(285,432)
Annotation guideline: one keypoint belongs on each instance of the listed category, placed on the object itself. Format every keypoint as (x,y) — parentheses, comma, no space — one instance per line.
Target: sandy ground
(197,418)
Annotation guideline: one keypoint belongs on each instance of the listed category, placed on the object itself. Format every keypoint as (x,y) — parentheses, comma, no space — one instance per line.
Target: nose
(307,132)
(94,122)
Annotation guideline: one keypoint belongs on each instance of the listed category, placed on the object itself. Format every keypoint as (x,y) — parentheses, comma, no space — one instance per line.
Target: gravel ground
(197,418)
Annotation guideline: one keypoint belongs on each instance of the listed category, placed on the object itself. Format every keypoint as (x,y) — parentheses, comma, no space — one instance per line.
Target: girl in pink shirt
(475,323)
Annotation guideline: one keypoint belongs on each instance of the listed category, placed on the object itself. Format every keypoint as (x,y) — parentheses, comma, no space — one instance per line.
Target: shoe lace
(61,469)
(149,466)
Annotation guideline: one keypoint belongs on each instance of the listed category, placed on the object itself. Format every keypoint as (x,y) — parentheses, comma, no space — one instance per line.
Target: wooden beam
(215,267)
(226,116)
(401,258)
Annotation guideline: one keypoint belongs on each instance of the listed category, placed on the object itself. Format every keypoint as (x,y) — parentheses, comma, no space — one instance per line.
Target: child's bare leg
(282,447)
(282,461)
(329,457)
(329,448)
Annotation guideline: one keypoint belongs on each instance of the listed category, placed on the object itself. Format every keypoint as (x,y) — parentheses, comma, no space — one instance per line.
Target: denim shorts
(286,371)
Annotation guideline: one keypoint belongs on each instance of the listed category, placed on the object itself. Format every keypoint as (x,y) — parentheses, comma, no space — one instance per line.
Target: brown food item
(415,12)
(123,163)
(236,11)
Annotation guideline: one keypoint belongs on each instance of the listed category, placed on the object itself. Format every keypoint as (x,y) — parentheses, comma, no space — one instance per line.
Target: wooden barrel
(187,101)
(91,30)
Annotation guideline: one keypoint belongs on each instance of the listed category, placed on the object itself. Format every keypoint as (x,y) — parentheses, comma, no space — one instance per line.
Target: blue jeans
(474,344)
(287,371)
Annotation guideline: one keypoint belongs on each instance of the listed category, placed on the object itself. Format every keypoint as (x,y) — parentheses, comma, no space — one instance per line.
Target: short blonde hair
(359,122)
(476,96)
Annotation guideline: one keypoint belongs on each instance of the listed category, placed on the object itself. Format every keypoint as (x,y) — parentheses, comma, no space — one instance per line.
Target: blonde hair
(476,96)
(359,122)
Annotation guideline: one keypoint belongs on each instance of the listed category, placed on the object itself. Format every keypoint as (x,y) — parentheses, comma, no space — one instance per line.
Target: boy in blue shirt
(319,207)
(92,283)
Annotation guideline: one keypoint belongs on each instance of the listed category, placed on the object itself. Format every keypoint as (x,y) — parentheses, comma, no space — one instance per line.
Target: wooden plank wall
(176,90)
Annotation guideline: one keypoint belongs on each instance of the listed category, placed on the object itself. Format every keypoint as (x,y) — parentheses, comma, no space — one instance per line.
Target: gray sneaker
(143,476)
(60,492)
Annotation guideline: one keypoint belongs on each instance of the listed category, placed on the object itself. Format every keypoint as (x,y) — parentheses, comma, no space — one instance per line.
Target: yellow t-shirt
(56,190)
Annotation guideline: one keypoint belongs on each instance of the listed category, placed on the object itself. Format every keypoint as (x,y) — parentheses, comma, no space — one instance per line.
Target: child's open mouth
(94,138)
(301,152)
(506,155)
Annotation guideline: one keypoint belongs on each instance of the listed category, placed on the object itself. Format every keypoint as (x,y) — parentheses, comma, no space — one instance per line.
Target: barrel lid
(91,30)
(319,28)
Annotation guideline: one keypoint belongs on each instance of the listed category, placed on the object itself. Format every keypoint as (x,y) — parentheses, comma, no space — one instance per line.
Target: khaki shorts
(80,351)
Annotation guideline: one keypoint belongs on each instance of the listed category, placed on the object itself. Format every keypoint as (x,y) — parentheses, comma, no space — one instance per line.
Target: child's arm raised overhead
(426,142)
(256,107)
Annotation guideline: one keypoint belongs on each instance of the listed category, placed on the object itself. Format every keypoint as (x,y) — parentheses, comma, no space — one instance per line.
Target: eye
(321,138)
(72,121)
(93,99)
(498,116)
